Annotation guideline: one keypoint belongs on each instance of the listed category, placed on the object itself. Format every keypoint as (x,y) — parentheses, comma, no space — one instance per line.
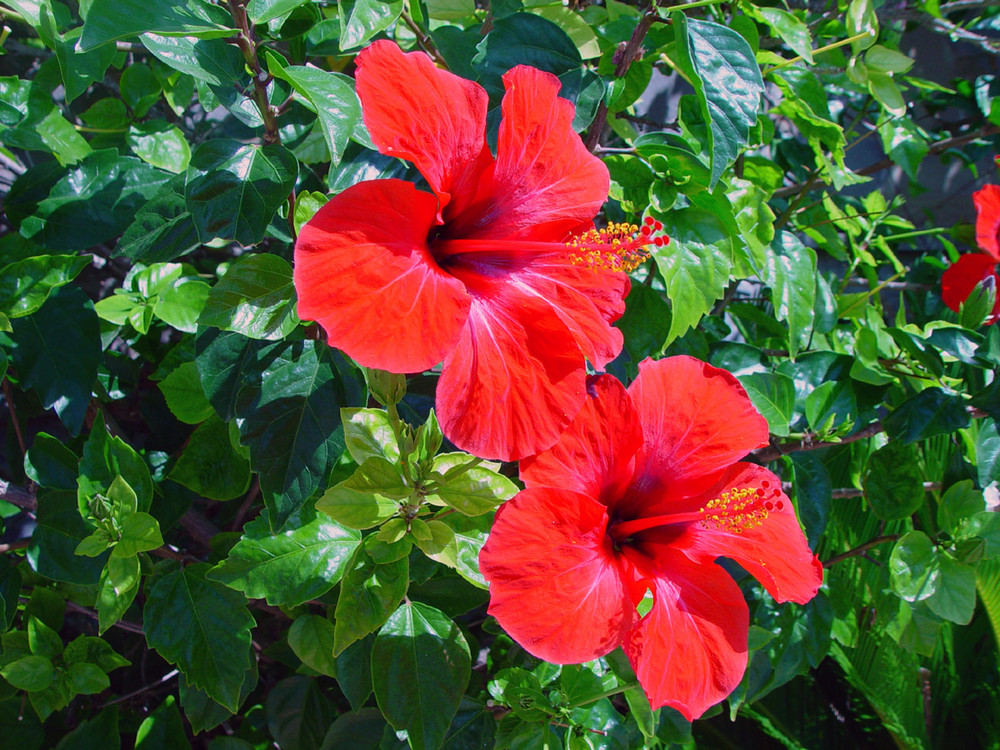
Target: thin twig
(845,492)
(425,42)
(860,549)
(11,546)
(15,495)
(625,56)
(168,676)
(248,501)
(245,41)
(937,148)
(121,624)
(13,416)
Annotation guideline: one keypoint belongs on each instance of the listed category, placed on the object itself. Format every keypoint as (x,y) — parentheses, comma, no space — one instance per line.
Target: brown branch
(245,41)
(10,547)
(425,42)
(776,451)
(245,506)
(199,528)
(121,624)
(844,492)
(625,55)
(860,549)
(937,148)
(22,498)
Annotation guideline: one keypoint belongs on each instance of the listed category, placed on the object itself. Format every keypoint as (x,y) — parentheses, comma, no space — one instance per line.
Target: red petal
(690,651)
(544,175)
(363,271)
(425,115)
(961,277)
(596,454)
(696,419)
(586,300)
(987,202)
(555,585)
(514,380)
(775,552)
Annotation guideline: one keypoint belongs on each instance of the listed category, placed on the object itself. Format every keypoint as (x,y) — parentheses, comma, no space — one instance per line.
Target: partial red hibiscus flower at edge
(971,269)
(478,273)
(644,492)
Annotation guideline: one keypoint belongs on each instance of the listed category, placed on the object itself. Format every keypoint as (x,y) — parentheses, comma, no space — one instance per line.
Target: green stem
(606,694)
(819,51)
(697,4)
(916,233)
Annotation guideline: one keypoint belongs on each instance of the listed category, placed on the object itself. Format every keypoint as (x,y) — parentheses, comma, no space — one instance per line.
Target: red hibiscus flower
(492,272)
(643,493)
(971,270)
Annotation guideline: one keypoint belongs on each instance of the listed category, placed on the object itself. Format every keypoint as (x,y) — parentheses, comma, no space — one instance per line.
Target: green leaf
(10,589)
(212,61)
(288,396)
(43,640)
(94,202)
(420,668)
(931,412)
(205,713)
(255,298)
(893,482)
(887,60)
(472,491)
(30,673)
(184,395)
(727,82)
(116,590)
(100,733)
(301,561)
(26,284)
(163,229)
(261,11)
(105,458)
(160,144)
(139,88)
(140,532)
(830,405)
(360,20)
(110,20)
(773,395)
(85,648)
(470,536)
(367,433)
(368,497)
(914,567)
(51,464)
(65,323)
(959,503)
(789,28)
(791,274)
(163,729)
(181,303)
(234,189)
(210,465)
(88,679)
(203,628)
(59,135)
(330,95)
(311,638)
(54,541)
(955,597)
(695,265)
(369,593)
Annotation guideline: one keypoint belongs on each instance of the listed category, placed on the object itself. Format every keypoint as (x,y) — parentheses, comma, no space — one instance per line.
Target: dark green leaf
(354,671)
(830,405)
(205,713)
(51,464)
(420,667)
(773,395)
(960,502)
(26,284)
(369,593)
(298,714)
(299,562)
(29,673)
(87,679)
(254,298)
(359,731)
(203,627)
(813,494)
(261,11)
(234,189)
(160,144)
(791,274)
(213,61)
(727,81)
(10,588)
(65,323)
(893,481)
(54,541)
(646,322)
(94,202)
(100,733)
(110,20)
(163,229)
(955,598)
(931,412)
